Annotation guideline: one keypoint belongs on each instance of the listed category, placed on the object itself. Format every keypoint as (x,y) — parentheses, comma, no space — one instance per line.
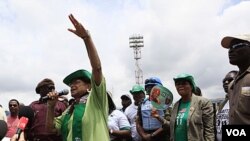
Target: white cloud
(179,36)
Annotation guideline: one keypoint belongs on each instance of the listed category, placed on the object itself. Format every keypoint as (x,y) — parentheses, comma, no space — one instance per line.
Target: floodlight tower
(136,42)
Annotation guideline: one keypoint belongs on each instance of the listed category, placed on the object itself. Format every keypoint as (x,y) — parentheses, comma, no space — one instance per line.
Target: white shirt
(117,121)
(131,113)
(222,118)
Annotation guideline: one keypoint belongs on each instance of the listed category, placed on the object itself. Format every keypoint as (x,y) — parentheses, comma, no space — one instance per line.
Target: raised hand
(80,31)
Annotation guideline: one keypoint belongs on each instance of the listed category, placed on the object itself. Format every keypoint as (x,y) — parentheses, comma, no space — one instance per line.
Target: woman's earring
(88,90)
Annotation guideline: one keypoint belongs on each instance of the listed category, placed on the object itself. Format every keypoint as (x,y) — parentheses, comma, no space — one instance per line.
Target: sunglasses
(12,105)
(239,45)
(51,88)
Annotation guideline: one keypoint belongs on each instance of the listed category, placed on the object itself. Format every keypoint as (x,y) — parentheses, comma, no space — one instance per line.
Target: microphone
(63,92)
(25,115)
(21,126)
(3,129)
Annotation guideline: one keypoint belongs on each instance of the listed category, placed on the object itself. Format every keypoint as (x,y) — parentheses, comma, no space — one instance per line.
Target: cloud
(178,36)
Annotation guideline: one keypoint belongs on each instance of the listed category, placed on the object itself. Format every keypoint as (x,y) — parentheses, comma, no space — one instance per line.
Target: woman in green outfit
(86,118)
(192,116)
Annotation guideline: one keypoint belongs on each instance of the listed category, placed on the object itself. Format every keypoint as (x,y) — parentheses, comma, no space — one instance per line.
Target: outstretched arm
(95,62)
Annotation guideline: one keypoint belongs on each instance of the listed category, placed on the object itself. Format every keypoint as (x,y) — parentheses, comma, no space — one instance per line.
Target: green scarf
(78,112)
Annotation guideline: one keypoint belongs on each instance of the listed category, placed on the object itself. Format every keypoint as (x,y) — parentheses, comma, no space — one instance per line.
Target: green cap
(137,88)
(187,77)
(77,74)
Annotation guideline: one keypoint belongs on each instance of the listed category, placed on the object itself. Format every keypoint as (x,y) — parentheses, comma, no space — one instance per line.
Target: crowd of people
(91,114)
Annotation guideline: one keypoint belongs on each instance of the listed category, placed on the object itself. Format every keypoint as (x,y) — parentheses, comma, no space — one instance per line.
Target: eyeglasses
(239,45)
(12,105)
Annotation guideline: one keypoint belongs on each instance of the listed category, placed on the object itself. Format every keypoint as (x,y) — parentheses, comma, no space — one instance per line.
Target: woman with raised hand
(86,119)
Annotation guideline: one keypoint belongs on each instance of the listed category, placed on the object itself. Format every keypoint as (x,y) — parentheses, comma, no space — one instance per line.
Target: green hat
(187,77)
(77,74)
(137,88)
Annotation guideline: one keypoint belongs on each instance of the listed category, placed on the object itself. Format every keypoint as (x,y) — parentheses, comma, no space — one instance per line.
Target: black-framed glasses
(240,45)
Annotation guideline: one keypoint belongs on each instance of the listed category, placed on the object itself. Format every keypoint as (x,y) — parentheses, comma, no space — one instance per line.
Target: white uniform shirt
(118,121)
(131,113)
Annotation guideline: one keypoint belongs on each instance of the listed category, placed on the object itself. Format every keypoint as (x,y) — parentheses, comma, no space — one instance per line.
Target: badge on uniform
(245,91)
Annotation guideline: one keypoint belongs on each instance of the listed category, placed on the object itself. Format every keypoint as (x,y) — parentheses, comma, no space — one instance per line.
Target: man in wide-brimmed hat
(239,90)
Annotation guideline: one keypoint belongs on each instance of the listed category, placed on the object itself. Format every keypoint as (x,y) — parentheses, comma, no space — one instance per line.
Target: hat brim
(77,74)
(226,41)
(125,97)
(135,92)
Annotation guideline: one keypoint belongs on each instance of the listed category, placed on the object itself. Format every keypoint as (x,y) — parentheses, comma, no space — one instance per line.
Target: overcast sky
(179,36)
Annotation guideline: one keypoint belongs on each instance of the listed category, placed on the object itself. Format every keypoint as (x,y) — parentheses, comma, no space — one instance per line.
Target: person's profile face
(238,52)
(227,80)
(126,102)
